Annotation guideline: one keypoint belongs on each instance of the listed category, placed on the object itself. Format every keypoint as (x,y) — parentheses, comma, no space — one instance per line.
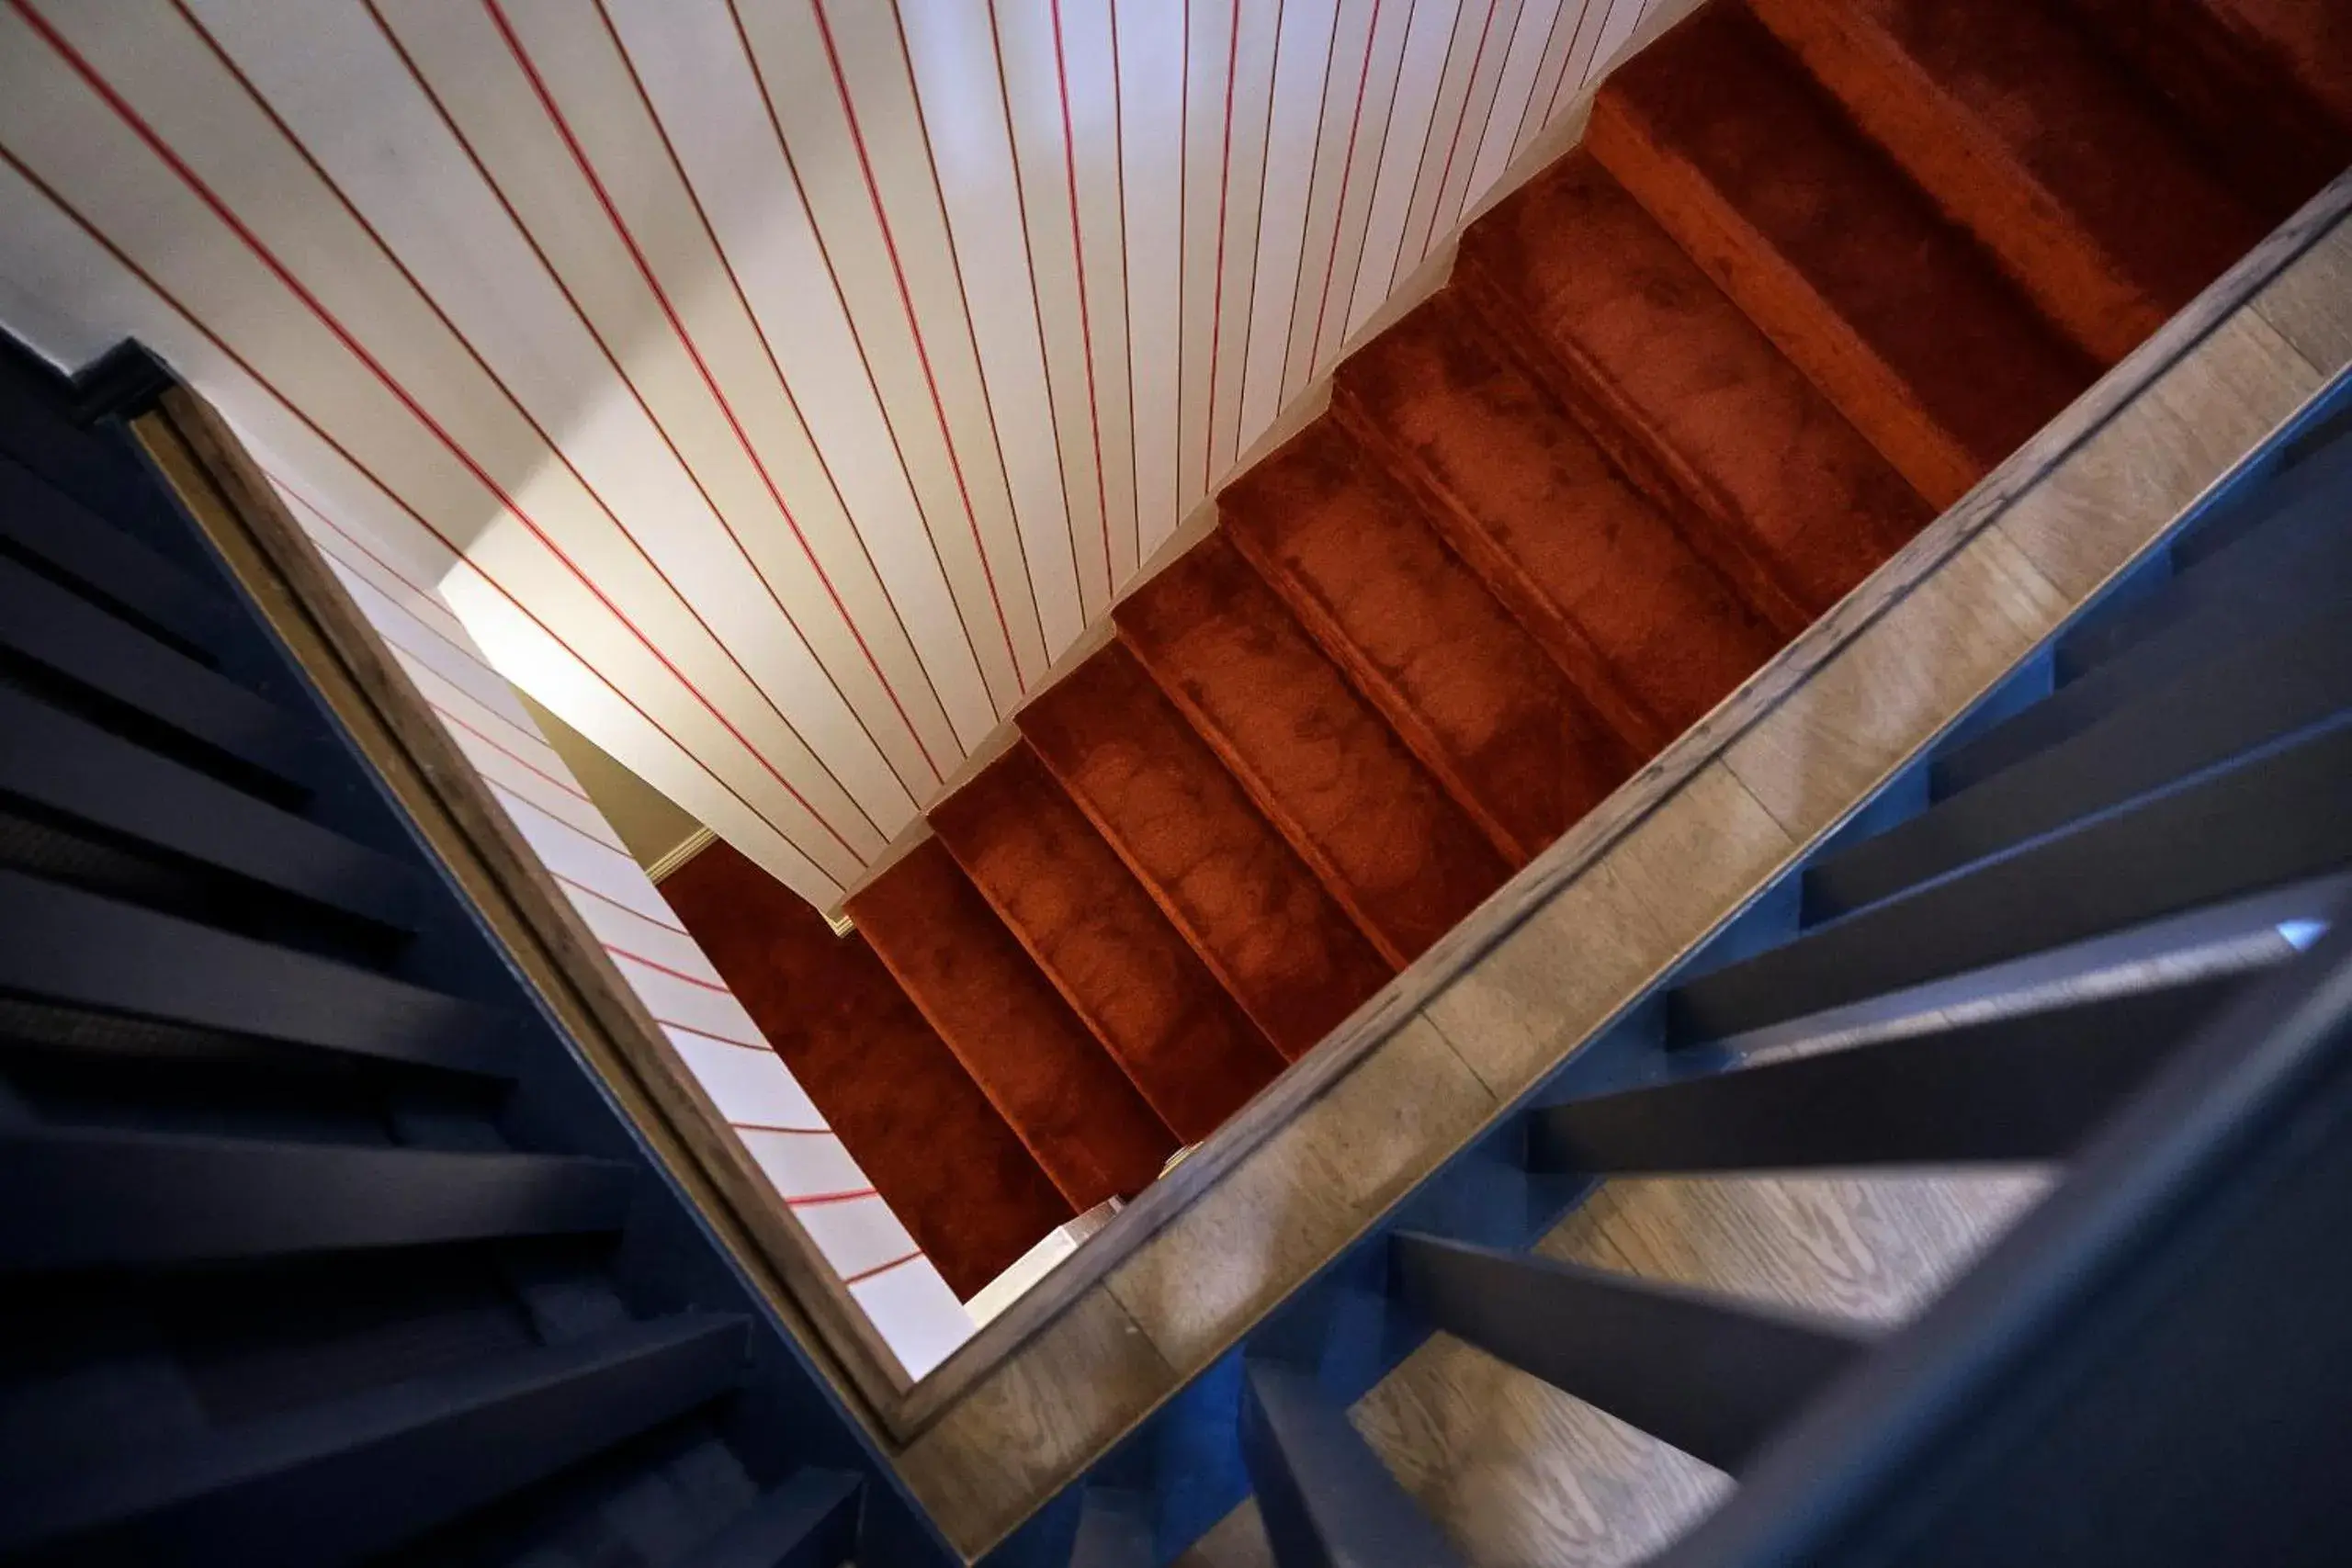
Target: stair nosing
(1387,699)
(1694,506)
(1946,469)
(1070,994)
(1281,819)
(941,1027)
(1590,673)
(1165,902)
(2132,293)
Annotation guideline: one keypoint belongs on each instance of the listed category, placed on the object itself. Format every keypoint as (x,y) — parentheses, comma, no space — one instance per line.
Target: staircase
(319,1241)
(323,1243)
(1818,265)
(1988,966)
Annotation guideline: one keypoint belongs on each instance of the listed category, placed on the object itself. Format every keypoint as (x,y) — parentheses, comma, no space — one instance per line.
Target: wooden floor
(1670,407)
(1587,933)
(1519,1473)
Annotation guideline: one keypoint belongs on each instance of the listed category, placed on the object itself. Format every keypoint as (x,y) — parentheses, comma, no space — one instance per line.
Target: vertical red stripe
(1469,88)
(1085,316)
(686,340)
(1379,158)
(815,1199)
(1037,299)
(914,329)
(767,349)
(566,786)
(865,1274)
(426,667)
(269,259)
(761,1046)
(611,846)
(1183,257)
(626,909)
(679,975)
(1249,314)
(1569,64)
(1535,81)
(1224,190)
(602,897)
(123,259)
(387,568)
(1493,107)
(351,210)
(866,361)
(507,751)
(1428,140)
(555,278)
(333,550)
(972,339)
(464,649)
(446,696)
(1126,289)
(1306,208)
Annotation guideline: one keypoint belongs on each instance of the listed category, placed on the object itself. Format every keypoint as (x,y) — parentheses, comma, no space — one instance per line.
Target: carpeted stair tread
(1887,306)
(1096,934)
(2271,141)
(2311,40)
(1816,266)
(1478,700)
(1226,878)
(917,1124)
(1643,624)
(1048,1076)
(2016,123)
(1796,505)
(1404,860)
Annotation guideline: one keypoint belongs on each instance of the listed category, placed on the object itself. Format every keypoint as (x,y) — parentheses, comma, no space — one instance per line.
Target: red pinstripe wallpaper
(910,1306)
(772,388)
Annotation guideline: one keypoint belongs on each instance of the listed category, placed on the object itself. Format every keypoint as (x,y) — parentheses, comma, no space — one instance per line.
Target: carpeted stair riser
(1037,1061)
(2014,122)
(2258,112)
(921,1129)
(1769,480)
(1818,266)
(1400,856)
(1817,237)
(1453,674)
(1255,912)
(1085,920)
(1644,627)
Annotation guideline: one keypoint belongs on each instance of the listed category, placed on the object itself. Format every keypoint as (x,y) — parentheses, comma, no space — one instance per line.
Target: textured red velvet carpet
(938,1154)
(1818,264)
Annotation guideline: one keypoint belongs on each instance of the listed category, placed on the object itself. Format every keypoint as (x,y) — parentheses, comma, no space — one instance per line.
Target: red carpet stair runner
(1817,266)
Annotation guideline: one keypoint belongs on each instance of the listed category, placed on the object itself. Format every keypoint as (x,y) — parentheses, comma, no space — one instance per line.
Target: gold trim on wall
(693,844)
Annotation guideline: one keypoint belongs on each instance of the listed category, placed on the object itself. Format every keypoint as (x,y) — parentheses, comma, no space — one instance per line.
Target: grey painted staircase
(322,1244)
(319,1241)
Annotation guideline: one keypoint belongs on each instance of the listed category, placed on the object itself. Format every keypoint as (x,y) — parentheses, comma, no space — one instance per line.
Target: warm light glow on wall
(773,388)
(746,1083)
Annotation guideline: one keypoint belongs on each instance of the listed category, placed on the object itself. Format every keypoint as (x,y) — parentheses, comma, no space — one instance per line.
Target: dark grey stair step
(75,949)
(137,1199)
(355,1476)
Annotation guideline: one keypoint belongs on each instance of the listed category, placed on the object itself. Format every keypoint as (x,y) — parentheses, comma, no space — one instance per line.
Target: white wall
(812,1174)
(772,388)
